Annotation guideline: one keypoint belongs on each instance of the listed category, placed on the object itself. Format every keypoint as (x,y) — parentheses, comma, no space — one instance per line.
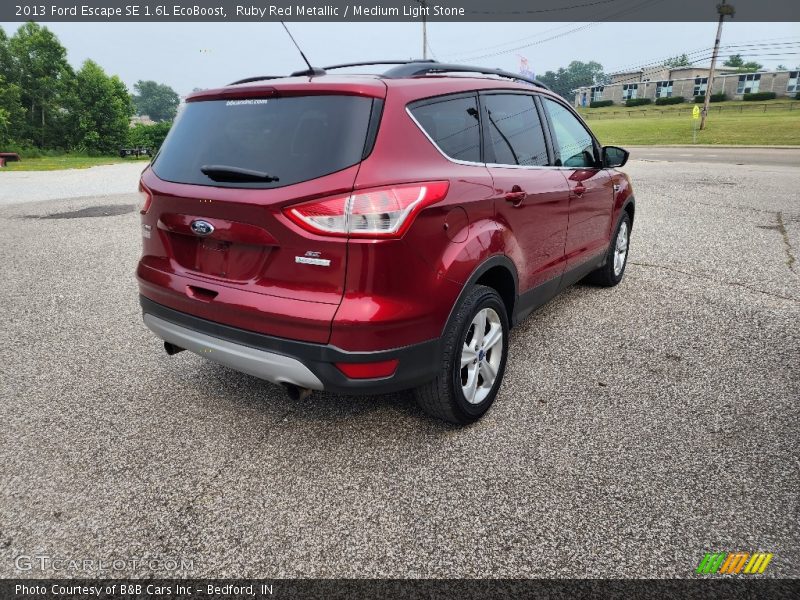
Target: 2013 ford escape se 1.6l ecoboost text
(373,233)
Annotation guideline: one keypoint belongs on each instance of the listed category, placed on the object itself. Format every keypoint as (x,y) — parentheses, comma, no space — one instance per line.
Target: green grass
(66,161)
(727,107)
(754,128)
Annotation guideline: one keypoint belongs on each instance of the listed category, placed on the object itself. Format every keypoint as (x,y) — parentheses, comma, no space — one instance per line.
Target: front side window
(515,134)
(629,91)
(453,126)
(574,142)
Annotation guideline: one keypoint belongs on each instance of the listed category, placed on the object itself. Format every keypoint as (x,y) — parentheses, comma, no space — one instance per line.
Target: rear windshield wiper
(227,173)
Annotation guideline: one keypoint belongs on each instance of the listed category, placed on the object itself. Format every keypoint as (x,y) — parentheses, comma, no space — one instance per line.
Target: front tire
(612,271)
(475,346)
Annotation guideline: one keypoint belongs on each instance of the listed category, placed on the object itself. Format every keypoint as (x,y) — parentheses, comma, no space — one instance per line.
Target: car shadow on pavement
(241,391)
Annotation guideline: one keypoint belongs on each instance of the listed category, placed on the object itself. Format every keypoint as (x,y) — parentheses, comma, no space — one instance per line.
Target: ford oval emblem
(202,228)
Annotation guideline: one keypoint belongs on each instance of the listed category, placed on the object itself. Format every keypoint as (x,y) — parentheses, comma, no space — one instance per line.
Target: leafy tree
(5,55)
(156,100)
(38,65)
(148,136)
(678,61)
(736,61)
(12,115)
(100,110)
(577,74)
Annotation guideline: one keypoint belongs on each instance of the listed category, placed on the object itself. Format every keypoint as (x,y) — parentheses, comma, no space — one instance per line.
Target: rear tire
(475,346)
(612,271)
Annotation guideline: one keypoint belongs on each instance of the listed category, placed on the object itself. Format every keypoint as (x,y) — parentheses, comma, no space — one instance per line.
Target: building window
(664,89)
(629,91)
(700,85)
(793,79)
(597,93)
(748,84)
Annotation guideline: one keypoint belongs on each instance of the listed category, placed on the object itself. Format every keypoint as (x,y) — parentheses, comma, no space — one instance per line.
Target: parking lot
(637,427)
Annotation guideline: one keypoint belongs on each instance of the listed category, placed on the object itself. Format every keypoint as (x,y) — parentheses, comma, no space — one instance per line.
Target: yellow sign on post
(695,117)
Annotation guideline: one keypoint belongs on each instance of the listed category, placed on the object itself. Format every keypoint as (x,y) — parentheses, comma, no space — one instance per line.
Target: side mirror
(614,156)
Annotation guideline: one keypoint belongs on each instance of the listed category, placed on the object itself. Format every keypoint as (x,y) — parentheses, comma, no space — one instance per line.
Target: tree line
(46,105)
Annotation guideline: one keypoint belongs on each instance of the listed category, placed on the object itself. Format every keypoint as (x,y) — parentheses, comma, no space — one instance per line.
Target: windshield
(287,140)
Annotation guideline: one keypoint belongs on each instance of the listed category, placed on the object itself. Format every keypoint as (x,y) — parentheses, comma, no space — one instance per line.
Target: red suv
(374,233)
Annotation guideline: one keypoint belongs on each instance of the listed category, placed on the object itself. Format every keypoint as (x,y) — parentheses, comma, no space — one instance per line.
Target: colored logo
(734,563)
(202,227)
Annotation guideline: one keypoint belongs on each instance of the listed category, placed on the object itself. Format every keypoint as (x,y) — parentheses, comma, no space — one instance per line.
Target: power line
(526,38)
(457,56)
(542,10)
(660,61)
(569,32)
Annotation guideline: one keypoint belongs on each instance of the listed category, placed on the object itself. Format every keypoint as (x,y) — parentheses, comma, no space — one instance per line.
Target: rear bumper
(281,360)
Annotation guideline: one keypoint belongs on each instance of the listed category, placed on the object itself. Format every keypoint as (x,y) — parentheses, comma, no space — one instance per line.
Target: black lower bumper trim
(418,364)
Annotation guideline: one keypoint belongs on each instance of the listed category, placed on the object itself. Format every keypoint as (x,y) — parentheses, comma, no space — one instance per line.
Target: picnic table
(139,151)
(6,157)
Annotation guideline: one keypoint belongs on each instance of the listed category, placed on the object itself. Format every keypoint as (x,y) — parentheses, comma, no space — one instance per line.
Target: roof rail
(317,72)
(406,68)
(378,62)
(417,68)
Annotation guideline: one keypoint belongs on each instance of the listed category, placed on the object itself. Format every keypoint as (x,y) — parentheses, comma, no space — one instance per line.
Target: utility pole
(724,10)
(424,5)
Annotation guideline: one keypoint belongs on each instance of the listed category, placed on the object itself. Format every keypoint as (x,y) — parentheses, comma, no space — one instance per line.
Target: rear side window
(572,140)
(514,130)
(453,126)
(292,139)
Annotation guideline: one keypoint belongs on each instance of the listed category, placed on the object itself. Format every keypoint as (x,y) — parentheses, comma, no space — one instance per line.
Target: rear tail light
(372,370)
(379,212)
(145,199)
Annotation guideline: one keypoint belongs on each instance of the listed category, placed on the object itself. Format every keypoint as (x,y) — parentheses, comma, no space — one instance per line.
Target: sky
(203,55)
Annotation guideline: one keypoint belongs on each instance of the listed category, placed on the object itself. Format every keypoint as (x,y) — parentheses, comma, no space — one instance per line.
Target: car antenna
(311,70)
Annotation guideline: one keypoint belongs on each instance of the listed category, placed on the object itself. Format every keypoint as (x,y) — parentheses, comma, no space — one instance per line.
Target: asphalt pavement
(637,427)
(736,155)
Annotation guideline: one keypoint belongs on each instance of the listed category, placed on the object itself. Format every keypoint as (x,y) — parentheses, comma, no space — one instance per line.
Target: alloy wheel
(621,248)
(481,355)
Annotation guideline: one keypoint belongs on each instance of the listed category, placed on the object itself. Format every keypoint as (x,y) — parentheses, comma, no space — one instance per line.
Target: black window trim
(538,97)
(446,98)
(486,136)
(375,116)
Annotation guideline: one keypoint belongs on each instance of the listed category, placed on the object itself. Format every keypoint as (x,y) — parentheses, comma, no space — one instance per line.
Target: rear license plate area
(212,257)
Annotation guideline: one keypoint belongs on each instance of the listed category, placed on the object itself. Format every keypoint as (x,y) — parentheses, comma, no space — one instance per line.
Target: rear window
(453,126)
(293,139)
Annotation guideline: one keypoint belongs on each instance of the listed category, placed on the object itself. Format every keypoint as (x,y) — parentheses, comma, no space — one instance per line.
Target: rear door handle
(579,189)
